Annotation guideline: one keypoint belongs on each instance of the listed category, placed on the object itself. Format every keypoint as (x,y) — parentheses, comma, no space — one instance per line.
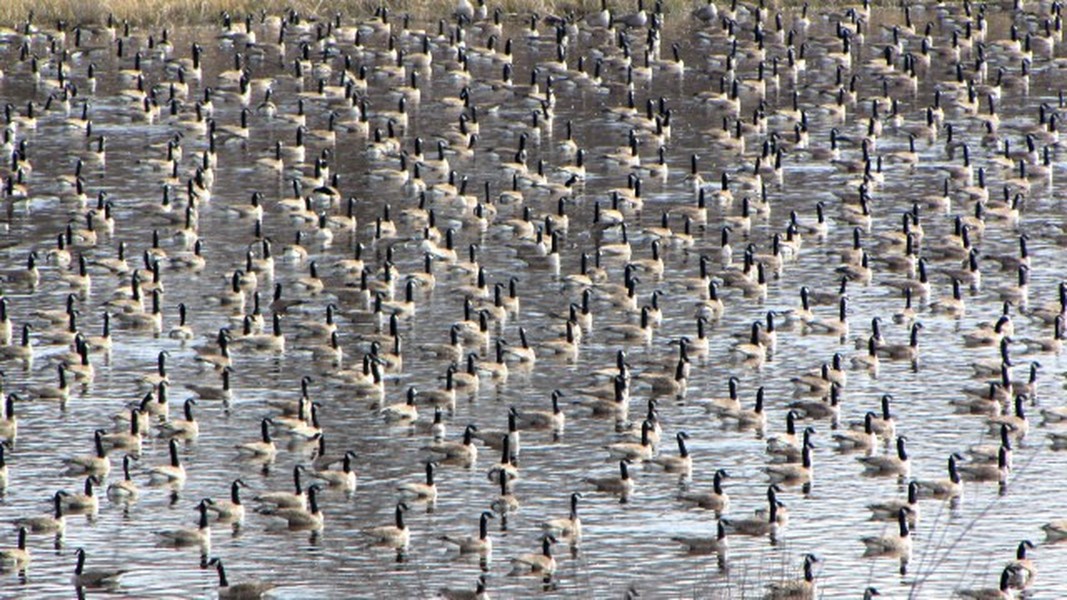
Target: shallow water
(625,544)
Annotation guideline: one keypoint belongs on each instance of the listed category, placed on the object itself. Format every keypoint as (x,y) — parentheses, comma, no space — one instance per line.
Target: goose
(553,420)
(898,545)
(909,351)
(97,463)
(246,590)
(396,535)
(786,445)
(125,490)
(344,479)
(716,500)
(212,392)
(796,588)
(294,499)
(492,438)
(683,463)
(299,518)
(792,473)
(262,450)
(60,392)
(852,440)
(190,536)
(479,593)
(232,510)
(94,578)
(761,523)
(890,509)
(1002,591)
(990,453)
(54,522)
(886,464)
(402,413)
(949,488)
(705,545)
(725,404)
(820,408)
(171,475)
(17,557)
(988,472)
(420,492)
(481,545)
(185,429)
(1024,570)
(9,421)
(633,451)
(463,453)
(622,485)
(543,564)
(1017,421)
(207,356)
(753,418)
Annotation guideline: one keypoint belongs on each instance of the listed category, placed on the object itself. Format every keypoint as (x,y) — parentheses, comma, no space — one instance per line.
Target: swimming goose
(481,545)
(553,420)
(716,499)
(479,593)
(246,590)
(753,418)
(172,475)
(345,478)
(190,536)
(232,510)
(300,518)
(949,488)
(622,485)
(797,588)
(886,464)
(988,472)
(463,453)
(60,392)
(633,451)
(125,490)
(1023,567)
(212,392)
(185,429)
(762,523)
(683,463)
(262,450)
(909,351)
(402,413)
(990,453)
(295,499)
(207,356)
(396,535)
(420,492)
(543,564)
(898,545)
(94,578)
(890,509)
(17,557)
(9,422)
(1002,591)
(792,473)
(1017,421)
(95,464)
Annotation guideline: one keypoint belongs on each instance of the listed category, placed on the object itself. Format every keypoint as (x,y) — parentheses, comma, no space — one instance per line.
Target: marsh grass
(199,12)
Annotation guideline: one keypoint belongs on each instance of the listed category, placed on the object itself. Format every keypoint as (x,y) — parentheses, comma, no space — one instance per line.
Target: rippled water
(625,544)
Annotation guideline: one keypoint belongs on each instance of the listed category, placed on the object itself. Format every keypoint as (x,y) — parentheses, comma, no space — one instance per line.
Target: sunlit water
(625,544)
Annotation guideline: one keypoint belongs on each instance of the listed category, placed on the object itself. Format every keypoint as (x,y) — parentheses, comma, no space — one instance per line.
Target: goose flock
(733,300)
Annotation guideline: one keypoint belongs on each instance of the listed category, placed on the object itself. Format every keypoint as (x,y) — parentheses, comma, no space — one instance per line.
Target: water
(625,544)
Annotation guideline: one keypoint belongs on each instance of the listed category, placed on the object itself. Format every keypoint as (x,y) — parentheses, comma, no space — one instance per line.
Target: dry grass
(197,12)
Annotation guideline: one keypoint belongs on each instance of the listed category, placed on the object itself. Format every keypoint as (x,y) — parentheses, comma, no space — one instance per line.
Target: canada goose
(9,422)
(172,475)
(898,545)
(890,509)
(208,357)
(820,408)
(1024,570)
(553,420)
(853,440)
(402,413)
(54,522)
(990,453)
(988,472)
(796,588)
(479,593)
(761,523)
(705,545)
(212,392)
(396,535)
(185,429)
(95,464)
(716,499)
(125,490)
(232,510)
(420,492)
(885,464)
(543,564)
(633,451)
(94,578)
(481,545)
(949,488)
(792,473)
(345,478)
(623,485)
(753,418)
(262,450)
(17,557)
(683,463)
(1017,421)
(246,590)
(909,351)
(1001,591)
(190,536)
(299,518)
(60,392)
(295,499)
(463,453)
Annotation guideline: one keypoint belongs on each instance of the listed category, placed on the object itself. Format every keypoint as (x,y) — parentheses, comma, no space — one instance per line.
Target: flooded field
(321,229)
